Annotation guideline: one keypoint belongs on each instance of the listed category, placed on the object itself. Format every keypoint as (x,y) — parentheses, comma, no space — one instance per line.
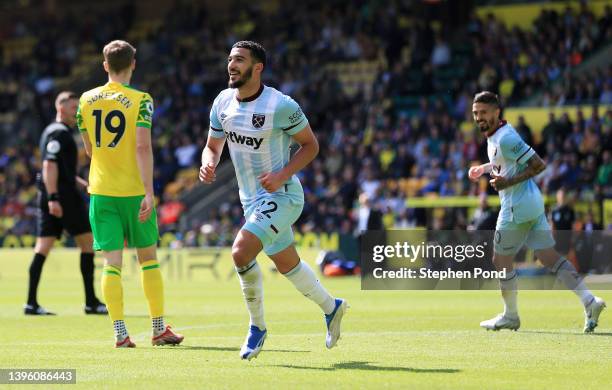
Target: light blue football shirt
(258,131)
(508,154)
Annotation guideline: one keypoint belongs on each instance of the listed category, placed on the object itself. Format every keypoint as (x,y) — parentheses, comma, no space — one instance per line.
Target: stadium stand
(387,91)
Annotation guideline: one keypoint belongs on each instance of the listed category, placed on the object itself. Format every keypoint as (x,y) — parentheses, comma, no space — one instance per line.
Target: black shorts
(75,218)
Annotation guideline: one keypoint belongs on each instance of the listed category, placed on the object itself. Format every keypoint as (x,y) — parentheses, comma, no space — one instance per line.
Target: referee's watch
(54,197)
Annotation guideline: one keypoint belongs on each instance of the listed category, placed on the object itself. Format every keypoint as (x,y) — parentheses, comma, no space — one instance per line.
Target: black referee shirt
(57,144)
(563,218)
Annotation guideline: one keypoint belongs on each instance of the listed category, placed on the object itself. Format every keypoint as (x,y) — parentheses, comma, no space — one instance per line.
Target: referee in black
(60,205)
(563,218)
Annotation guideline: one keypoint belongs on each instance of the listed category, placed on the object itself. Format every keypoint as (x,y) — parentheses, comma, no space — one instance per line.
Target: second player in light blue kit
(512,166)
(260,123)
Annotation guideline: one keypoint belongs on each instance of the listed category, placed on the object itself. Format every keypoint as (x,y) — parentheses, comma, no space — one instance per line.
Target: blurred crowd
(592,88)
(376,149)
(521,62)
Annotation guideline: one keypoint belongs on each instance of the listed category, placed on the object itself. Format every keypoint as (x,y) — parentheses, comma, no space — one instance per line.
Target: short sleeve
(145,112)
(216,128)
(53,148)
(79,117)
(513,148)
(289,116)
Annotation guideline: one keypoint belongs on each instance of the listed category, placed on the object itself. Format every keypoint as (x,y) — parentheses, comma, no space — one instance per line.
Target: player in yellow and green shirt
(115,123)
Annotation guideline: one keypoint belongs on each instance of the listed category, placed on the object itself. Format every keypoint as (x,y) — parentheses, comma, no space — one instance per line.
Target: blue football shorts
(270,217)
(511,236)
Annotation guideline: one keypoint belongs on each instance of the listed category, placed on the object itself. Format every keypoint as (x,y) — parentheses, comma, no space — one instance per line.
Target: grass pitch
(390,339)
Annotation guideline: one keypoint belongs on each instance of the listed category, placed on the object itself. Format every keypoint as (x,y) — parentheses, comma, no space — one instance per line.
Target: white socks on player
(302,277)
(508,289)
(251,282)
(305,280)
(120,330)
(159,326)
(567,274)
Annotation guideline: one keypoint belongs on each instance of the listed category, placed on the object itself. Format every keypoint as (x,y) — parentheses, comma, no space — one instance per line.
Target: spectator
(485,217)
(562,218)
(371,133)
(524,130)
(441,54)
(185,153)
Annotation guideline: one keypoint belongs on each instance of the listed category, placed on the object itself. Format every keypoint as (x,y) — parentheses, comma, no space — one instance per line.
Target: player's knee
(43,247)
(43,250)
(239,254)
(146,254)
(85,242)
(495,262)
(500,262)
(548,257)
(86,248)
(245,248)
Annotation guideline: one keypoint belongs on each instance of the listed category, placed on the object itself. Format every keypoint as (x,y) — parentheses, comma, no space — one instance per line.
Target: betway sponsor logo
(244,140)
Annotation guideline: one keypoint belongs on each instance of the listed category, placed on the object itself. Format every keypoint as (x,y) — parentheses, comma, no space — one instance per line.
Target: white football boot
(332,321)
(501,321)
(591,314)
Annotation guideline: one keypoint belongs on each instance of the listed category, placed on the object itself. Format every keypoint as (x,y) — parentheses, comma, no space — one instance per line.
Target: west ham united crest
(258,120)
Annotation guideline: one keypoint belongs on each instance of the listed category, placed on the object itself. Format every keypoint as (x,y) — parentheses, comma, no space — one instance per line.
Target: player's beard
(246,76)
(486,126)
(483,127)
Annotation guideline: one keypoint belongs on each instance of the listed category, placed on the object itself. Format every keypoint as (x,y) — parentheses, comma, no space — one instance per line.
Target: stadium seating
(395,118)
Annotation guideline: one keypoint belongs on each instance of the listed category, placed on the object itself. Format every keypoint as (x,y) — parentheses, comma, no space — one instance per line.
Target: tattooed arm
(535,165)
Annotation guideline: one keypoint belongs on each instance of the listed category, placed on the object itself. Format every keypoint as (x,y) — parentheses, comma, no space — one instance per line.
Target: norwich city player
(115,123)
(259,124)
(521,220)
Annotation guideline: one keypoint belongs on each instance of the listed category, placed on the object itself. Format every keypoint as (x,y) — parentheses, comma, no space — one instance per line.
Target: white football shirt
(258,131)
(508,154)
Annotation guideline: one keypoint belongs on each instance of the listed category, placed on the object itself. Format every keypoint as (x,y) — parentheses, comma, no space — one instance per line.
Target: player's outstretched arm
(210,159)
(309,148)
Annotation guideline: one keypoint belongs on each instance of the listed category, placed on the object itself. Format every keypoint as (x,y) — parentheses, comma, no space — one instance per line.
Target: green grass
(391,339)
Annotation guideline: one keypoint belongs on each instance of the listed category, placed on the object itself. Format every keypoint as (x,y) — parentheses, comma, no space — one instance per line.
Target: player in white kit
(512,166)
(259,124)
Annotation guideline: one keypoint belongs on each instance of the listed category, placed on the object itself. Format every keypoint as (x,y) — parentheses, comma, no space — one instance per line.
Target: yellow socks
(153,287)
(113,291)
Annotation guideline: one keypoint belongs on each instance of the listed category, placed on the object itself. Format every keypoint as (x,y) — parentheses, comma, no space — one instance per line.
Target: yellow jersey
(110,114)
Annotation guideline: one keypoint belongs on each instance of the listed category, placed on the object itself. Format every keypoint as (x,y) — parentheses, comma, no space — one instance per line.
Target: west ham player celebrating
(521,220)
(260,123)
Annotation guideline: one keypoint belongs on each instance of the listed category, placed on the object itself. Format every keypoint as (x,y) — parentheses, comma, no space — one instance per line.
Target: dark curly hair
(257,50)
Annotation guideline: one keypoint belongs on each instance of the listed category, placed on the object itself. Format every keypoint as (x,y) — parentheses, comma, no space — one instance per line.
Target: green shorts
(114,220)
